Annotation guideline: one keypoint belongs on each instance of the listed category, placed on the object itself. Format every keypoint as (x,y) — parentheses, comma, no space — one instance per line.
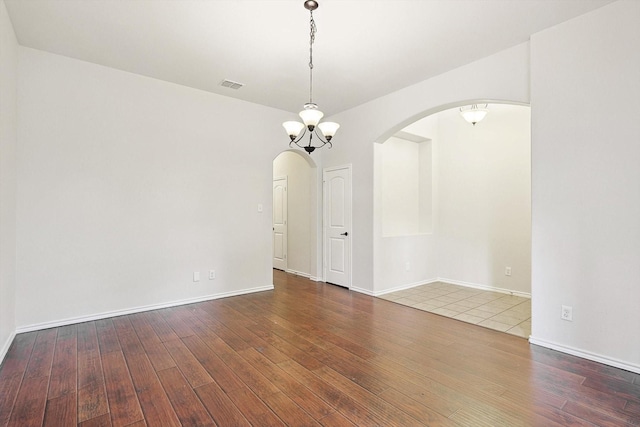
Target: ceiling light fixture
(474,114)
(310,115)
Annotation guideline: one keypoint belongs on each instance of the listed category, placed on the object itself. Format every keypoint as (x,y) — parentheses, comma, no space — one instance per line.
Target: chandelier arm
(324,141)
(295,141)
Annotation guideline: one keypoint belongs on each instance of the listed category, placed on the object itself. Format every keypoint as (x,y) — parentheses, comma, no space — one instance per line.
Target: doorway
(295,217)
(337,225)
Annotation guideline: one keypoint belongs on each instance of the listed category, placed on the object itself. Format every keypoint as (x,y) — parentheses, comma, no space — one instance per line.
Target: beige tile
(493,310)
(516,315)
(468,318)
(522,330)
(426,306)
(490,309)
(524,307)
(457,307)
(412,291)
(446,299)
(468,304)
(444,312)
(506,319)
(481,299)
(407,301)
(479,313)
(495,325)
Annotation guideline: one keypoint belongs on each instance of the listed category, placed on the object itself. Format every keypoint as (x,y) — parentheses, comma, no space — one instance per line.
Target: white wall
(503,76)
(585,88)
(300,212)
(127,185)
(484,202)
(8,132)
(406,174)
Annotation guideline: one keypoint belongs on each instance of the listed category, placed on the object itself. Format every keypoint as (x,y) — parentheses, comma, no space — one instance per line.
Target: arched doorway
(452,202)
(295,217)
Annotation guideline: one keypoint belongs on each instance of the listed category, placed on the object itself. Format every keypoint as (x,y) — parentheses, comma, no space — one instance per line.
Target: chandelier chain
(312,38)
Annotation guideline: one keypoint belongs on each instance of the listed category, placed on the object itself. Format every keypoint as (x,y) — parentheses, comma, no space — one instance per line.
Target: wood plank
(92,401)
(158,355)
(65,363)
(154,402)
(107,337)
(254,408)
(185,403)
(390,414)
(600,418)
(12,370)
(127,336)
(223,375)
(100,421)
(415,409)
(191,369)
(123,402)
(42,354)
(614,386)
(92,393)
(160,326)
(143,328)
(349,407)
(220,407)
(300,394)
(61,411)
(30,403)
(336,419)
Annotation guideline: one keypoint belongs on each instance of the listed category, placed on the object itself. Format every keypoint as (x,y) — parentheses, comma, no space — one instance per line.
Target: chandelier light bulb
(474,114)
(293,128)
(328,129)
(311,116)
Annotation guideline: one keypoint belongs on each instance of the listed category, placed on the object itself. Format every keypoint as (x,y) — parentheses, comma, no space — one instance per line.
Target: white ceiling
(363,50)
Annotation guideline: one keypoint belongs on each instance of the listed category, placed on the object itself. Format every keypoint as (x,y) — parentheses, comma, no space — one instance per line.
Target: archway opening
(452,202)
(295,219)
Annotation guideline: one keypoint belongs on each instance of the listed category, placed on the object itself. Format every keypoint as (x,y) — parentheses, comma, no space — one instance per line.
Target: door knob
(344,234)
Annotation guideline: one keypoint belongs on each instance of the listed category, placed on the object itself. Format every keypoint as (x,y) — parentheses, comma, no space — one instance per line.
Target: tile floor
(492,310)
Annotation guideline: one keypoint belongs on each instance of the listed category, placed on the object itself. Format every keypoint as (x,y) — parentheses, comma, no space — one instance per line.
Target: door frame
(349,202)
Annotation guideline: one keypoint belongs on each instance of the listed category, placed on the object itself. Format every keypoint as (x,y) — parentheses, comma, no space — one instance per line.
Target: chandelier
(310,115)
(474,114)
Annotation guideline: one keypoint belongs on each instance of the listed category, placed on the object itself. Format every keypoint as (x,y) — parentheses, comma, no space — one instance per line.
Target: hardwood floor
(304,354)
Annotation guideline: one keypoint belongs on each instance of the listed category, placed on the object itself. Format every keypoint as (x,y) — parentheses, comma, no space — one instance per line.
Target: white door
(337,225)
(280,223)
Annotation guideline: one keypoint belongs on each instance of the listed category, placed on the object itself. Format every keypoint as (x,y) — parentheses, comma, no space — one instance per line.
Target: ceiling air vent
(231,84)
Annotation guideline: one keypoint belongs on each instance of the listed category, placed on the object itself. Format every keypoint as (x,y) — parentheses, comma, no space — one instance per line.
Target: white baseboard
(403,287)
(115,313)
(6,346)
(485,287)
(299,273)
(586,355)
(316,279)
(362,291)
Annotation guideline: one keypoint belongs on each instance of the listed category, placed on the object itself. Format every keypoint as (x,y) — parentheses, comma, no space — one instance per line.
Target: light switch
(259,207)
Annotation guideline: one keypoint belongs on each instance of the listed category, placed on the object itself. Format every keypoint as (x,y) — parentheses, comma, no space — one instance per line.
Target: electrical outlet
(196,276)
(212,274)
(407,266)
(507,271)
(567,313)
